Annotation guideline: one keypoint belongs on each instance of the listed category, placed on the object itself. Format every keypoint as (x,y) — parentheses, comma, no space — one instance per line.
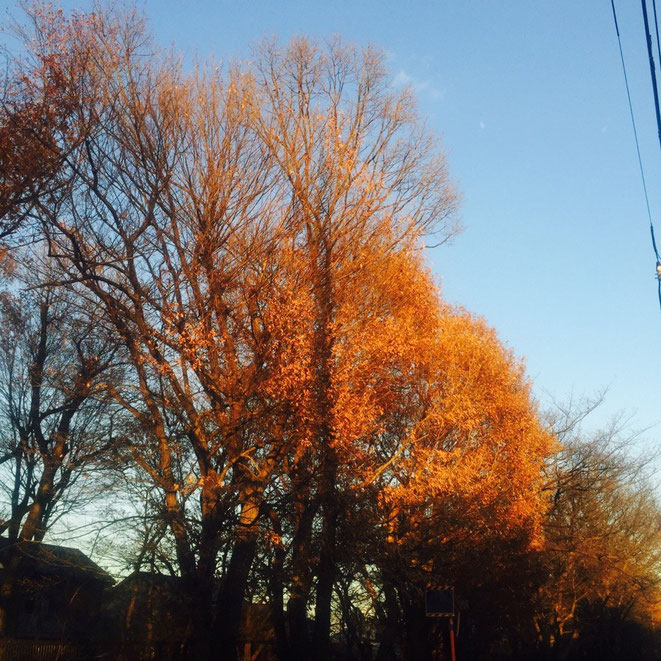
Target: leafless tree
(58,418)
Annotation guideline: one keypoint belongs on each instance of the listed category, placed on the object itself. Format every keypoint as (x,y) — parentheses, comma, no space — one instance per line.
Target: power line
(655,90)
(635,135)
(656,30)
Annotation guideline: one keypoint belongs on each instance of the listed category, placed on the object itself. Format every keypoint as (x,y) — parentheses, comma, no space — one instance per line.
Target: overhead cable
(656,30)
(655,89)
(635,134)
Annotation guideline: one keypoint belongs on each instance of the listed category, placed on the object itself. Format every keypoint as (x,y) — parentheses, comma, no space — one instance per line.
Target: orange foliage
(431,408)
(253,238)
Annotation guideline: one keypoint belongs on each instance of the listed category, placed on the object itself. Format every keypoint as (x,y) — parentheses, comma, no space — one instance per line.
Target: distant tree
(603,548)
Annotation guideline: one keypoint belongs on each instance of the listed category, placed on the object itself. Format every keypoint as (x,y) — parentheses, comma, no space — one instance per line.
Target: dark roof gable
(49,559)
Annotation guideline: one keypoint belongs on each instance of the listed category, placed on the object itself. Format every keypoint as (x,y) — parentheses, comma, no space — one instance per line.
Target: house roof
(52,560)
(144,578)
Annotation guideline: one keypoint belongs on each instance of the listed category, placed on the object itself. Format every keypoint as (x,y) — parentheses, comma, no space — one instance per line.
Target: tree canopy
(259,337)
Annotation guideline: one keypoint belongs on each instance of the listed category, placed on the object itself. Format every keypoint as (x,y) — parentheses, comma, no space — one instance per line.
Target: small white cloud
(482,125)
(404,79)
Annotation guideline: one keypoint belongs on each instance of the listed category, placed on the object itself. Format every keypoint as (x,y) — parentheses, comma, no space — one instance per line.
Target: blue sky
(530,101)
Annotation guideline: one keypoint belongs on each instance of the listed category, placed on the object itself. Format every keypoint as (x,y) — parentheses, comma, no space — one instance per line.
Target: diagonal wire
(635,135)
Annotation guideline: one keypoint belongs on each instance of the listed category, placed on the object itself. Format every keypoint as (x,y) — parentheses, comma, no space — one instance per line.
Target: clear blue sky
(530,101)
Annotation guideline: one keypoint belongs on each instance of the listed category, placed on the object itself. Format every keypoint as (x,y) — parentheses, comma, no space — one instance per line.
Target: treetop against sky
(531,105)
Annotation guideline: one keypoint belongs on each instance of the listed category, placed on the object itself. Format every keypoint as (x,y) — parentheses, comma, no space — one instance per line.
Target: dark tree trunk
(198,645)
(329,461)
(391,628)
(8,591)
(231,598)
(299,640)
(325,580)
(276,589)
(233,590)
(417,640)
(299,636)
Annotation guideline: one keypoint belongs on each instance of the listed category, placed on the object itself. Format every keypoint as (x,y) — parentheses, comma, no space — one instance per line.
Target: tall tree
(168,221)
(363,179)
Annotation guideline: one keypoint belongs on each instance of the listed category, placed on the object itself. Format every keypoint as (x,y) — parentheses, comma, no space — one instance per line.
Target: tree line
(215,295)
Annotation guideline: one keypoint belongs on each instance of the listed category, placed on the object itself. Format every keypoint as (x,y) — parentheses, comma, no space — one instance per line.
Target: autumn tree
(454,494)
(169,222)
(37,98)
(307,416)
(363,180)
(440,456)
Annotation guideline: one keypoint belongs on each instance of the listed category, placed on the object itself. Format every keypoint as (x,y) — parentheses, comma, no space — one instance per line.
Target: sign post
(439,602)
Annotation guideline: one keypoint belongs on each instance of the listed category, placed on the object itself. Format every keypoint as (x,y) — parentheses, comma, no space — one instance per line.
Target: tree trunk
(33,523)
(232,593)
(329,461)
(11,576)
(417,643)
(391,629)
(325,577)
(299,636)
(276,590)
(199,643)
